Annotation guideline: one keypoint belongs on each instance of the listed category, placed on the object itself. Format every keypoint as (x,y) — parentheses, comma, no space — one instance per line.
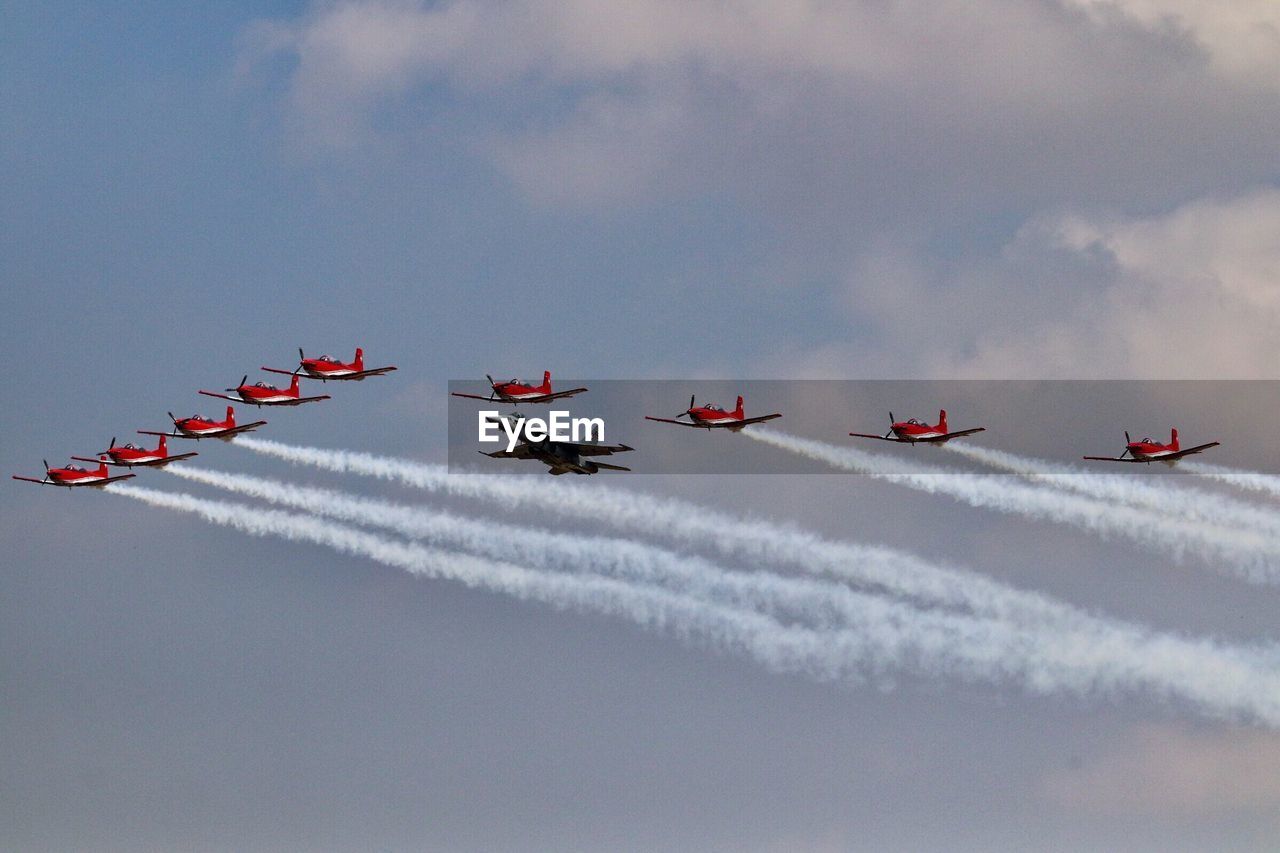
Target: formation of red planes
(202,426)
(561,457)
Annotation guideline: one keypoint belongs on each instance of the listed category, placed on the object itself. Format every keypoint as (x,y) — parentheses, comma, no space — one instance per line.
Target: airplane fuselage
(916,432)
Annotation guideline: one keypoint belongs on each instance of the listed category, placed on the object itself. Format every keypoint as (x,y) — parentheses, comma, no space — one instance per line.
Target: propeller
(46,465)
(243,381)
(892,421)
(301,357)
(1127,442)
(112,444)
(172,418)
(685,413)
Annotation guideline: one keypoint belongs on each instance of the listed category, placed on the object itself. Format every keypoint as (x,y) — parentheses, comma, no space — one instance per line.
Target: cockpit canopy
(268,385)
(327,358)
(712,407)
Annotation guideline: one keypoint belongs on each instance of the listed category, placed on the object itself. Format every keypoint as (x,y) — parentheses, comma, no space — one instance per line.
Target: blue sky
(995,189)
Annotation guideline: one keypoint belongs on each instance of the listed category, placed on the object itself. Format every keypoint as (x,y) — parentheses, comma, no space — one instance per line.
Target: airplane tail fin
(1173,441)
(102,467)
(164,448)
(359,362)
(231,416)
(738,409)
(293,386)
(942,420)
(546,381)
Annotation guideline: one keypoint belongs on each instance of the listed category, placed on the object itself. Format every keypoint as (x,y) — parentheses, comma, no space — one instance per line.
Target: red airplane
(266,394)
(519,391)
(914,432)
(130,455)
(1150,450)
(710,416)
(73,476)
(327,367)
(201,426)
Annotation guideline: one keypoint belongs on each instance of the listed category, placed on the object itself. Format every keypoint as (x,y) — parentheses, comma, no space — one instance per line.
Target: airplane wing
(950,435)
(611,467)
(278,370)
(363,374)
(111,480)
(174,458)
(521,452)
(174,434)
(235,430)
(677,423)
(1191,450)
(1113,459)
(547,398)
(876,437)
(33,480)
(748,421)
(223,397)
(95,460)
(299,401)
(596,449)
(488,399)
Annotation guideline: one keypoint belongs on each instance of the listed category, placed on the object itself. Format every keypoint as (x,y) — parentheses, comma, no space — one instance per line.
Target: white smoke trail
(1220,681)
(691,524)
(818,603)
(1247,554)
(1167,497)
(1268,484)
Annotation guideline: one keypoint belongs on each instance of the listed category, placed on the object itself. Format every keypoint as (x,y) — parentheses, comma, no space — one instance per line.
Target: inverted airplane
(202,426)
(327,367)
(1150,450)
(129,455)
(518,391)
(564,457)
(913,431)
(73,476)
(266,394)
(711,416)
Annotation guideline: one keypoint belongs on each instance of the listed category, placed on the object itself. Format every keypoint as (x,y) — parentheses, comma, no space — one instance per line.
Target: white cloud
(1194,293)
(982,93)
(1240,38)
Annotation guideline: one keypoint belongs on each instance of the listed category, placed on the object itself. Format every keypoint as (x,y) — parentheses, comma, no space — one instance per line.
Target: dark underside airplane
(564,457)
